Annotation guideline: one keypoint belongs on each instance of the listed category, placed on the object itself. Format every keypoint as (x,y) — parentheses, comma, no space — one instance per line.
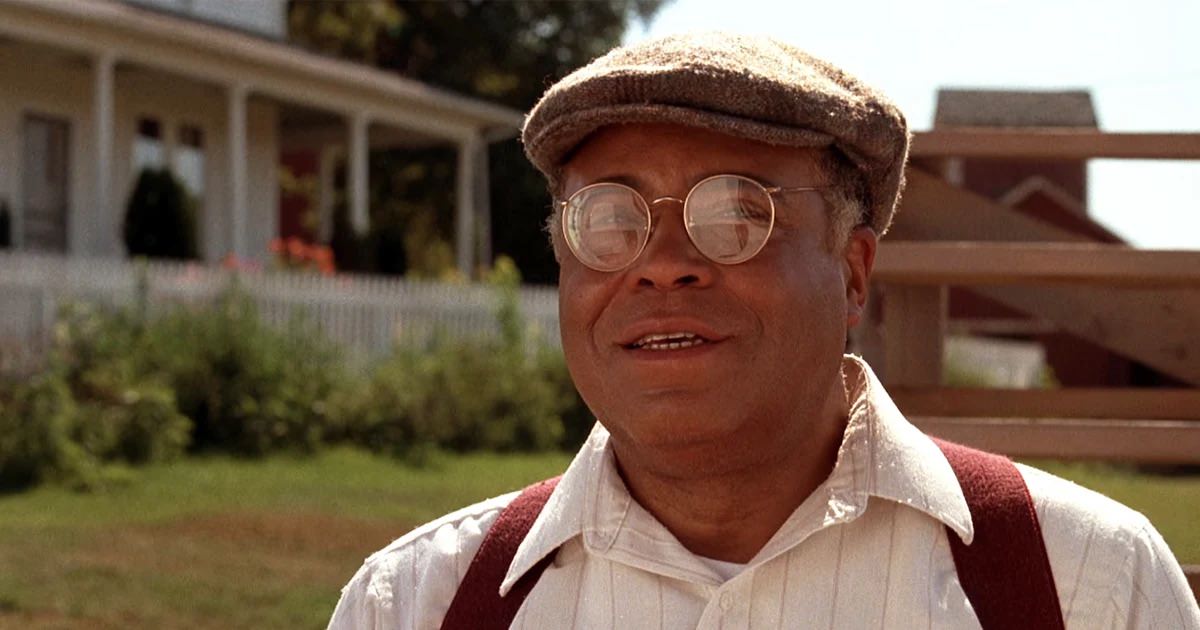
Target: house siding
(60,86)
(57,88)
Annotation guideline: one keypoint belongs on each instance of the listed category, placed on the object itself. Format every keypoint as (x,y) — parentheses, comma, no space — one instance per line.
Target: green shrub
(249,388)
(125,389)
(577,419)
(123,416)
(468,394)
(159,221)
(36,422)
(89,410)
(213,378)
(457,395)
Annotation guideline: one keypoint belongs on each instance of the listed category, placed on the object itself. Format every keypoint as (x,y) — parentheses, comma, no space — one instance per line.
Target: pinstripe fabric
(867,549)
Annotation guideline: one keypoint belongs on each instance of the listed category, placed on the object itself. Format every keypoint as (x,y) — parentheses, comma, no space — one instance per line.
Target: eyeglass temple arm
(779,189)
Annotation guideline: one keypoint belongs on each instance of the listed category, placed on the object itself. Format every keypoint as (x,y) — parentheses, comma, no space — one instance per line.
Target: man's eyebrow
(628,180)
(634,182)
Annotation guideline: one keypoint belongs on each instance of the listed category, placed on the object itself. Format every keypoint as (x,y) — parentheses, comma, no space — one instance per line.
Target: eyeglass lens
(728,218)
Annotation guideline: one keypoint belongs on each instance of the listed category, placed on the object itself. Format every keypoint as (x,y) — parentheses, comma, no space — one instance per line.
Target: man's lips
(673,334)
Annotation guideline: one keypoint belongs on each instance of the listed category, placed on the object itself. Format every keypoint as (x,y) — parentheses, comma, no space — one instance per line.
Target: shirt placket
(728,605)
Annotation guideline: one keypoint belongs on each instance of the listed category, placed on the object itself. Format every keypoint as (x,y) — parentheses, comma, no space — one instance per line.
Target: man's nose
(670,260)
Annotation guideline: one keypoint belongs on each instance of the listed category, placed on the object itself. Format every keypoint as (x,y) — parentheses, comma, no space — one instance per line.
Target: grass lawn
(224,543)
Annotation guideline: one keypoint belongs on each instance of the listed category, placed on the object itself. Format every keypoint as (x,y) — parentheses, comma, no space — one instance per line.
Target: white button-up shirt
(867,549)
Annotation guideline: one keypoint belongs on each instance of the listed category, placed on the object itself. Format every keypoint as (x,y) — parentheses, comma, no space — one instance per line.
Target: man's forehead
(621,153)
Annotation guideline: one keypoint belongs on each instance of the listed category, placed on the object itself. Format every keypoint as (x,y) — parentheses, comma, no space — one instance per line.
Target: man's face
(774,327)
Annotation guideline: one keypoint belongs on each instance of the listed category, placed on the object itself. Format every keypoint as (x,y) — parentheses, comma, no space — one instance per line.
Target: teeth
(668,341)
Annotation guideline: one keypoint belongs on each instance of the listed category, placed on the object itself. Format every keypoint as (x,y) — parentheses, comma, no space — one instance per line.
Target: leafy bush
(122,388)
(53,430)
(159,221)
(122,414)
(458,395)
(577,420)
(248,387)
(484,393)
(89,409)
(36,419)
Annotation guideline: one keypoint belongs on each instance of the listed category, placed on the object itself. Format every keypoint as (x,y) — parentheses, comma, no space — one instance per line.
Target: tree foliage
(504,52)
(159,221)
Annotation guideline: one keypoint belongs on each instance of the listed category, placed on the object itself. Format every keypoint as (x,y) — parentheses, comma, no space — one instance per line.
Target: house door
(44,220)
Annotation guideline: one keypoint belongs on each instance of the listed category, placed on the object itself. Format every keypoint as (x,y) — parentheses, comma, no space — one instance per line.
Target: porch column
(106,240)
(325,178)
(360,218)
(236,107)
(465,204)
(483,204)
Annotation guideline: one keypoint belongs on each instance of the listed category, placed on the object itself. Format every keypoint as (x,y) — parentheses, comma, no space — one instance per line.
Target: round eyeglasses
(728,218)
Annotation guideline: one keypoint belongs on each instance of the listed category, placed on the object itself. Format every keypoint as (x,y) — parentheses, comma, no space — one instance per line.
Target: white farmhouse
(91,91)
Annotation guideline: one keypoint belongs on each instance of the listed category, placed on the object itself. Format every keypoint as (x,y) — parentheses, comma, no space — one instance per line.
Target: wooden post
(356,184)
(914,319)
(107,239)
(464,211)
(866,339)
(236,142)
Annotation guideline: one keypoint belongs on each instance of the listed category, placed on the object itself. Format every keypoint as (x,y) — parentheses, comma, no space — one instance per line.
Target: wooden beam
(1145,441)
(933,210)
(1157,327)
(977,264)
(1062,144)
(966,402)
(1004,326)
(914,332)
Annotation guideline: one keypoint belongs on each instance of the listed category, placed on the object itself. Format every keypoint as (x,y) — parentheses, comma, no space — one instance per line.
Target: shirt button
(726,601)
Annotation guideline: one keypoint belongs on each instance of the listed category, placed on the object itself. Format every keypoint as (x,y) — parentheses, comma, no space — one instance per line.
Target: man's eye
(608,214)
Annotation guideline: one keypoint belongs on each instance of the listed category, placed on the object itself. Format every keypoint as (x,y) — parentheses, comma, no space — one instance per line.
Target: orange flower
(296,249)
(276,245)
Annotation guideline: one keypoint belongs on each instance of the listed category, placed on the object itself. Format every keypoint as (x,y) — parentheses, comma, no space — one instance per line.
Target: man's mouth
(667,341)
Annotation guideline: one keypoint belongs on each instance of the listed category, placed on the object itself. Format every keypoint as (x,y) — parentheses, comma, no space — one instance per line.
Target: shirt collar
(881,455)
(896,461)
(590,500)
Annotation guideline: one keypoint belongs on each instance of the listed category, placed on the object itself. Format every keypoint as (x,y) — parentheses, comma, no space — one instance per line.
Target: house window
(148,149)
(187,160)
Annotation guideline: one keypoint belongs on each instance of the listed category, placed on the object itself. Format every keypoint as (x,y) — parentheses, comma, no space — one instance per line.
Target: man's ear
(859,257)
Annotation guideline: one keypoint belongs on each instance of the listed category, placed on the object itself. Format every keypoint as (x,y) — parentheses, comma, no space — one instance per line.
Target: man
(718,202)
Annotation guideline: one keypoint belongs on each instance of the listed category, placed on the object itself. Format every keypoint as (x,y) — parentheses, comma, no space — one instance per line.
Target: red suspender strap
(477,605)
(1004,572)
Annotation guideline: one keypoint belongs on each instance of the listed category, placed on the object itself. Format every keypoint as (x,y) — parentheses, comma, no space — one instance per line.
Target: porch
(97,91)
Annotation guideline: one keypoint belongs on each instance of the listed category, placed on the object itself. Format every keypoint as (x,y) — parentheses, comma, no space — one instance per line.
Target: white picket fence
(367,314)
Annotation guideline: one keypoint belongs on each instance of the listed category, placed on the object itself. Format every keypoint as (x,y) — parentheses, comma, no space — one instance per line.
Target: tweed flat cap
(751,87)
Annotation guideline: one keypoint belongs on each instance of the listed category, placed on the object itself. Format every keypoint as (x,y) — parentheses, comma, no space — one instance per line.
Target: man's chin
(676,422)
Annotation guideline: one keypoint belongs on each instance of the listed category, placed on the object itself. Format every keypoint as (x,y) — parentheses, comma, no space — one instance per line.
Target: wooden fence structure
(1155,426)
(1143,304)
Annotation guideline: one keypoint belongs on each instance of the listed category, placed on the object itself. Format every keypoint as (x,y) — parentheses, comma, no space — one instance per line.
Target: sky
(1140,61)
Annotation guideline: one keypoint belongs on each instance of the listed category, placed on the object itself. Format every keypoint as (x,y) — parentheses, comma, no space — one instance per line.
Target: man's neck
(731,514)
